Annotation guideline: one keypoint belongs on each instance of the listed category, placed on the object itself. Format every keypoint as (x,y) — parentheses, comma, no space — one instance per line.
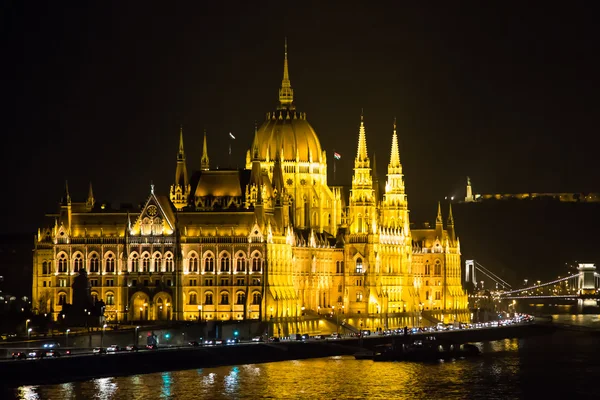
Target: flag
(336,155)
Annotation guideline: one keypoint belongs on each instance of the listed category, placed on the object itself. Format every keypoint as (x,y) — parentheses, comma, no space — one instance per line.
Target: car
(113,348)
(194,343)
(50,345)
(19,355)
(274,339)
(35,354)
(51,353)
(99,350)
(219,342)
(257,339)
(233,341)
(151,346)
(131,347)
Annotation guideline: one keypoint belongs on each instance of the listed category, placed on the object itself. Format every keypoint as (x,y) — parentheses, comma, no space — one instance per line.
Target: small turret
(204,161)
(451,232)
(89,204)
(439,223)
(180,190)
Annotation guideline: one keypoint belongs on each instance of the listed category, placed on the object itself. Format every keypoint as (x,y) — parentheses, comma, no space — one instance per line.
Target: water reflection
(507,369)
(166,387)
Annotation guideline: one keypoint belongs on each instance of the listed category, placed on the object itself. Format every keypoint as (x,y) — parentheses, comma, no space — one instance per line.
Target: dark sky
(507,95)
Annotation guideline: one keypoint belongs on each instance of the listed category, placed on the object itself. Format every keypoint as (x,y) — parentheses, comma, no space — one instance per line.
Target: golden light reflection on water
(339,377)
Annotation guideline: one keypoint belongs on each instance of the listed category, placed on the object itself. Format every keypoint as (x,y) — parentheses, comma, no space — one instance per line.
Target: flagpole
(334,158)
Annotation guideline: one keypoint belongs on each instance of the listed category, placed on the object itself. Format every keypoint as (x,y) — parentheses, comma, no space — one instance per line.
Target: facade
(270,241)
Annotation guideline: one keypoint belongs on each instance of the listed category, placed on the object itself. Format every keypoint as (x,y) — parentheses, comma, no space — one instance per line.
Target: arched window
(135,262)
(224,298)
(438,268)
(256,263)
(169,262)
(94,263)
(62,263)
(110,299)
(157,226)
(340,300)
(62,299)
(146,263)
(359,296)
(256,298)
(77,262)
(193,264)
(427,268)
(241,298)
(193,298)
(110,263)
(94,298)
(359,265)
(360,223)
(240,265)
(45,268)
(157,263)
(209,263)
(341,267)
(225,263)
(208,299)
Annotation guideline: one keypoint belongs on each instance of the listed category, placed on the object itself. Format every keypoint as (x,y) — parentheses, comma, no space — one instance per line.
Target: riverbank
(84,367)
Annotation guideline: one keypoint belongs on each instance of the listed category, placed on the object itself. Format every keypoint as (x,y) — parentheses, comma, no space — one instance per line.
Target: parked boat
(427,350)
(365,354)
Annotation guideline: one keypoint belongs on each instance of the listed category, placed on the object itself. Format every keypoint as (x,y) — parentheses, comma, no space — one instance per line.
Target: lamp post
(27,325)
(28,336)
(67,335)
(272,327)
(200,313)
(136,336)
(102,336)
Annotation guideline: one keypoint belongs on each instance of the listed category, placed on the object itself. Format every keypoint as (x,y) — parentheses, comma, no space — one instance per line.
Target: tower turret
(439,222)
(180,190)
(451,232)
(395,203)
(89,204)
(204,161)
(286,93)
(362,199)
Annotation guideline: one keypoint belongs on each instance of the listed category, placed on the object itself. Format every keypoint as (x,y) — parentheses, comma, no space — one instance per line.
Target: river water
(562,365)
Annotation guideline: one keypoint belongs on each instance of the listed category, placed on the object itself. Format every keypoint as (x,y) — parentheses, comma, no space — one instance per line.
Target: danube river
(565,364)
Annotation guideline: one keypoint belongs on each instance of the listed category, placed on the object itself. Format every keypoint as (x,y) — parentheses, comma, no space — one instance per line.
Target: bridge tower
(587,279)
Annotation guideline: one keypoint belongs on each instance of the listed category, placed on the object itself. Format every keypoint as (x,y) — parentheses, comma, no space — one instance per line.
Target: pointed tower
(362,198)
(451,232)
(65,208)
(89,204)
(204,161)
(395,204)
(286,93)
(439,223)
(180,190)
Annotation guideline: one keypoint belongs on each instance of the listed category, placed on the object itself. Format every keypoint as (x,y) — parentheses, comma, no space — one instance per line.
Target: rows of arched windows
(94,263)
(240,298)
(224,264)
(437,268)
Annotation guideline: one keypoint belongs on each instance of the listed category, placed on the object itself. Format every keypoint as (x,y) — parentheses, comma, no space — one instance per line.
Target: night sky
(508,96)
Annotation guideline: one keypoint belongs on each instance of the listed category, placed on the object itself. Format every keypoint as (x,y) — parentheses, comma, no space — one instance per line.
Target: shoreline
(86,367)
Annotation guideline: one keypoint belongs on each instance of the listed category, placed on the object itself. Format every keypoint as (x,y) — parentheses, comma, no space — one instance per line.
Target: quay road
(84,365)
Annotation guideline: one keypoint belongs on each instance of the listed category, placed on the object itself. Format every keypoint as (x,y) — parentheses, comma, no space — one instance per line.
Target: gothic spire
(361,154)
(286,93)
(439,219)
(181,153)
(90,199)
(204,161)
(395,155)
(450,216)
(66,199)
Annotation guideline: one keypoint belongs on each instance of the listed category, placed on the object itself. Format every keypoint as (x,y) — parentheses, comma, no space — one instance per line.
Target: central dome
(288,133)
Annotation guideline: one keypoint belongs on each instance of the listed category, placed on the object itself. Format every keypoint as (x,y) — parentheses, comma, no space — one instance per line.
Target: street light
(337,320)
(102,336)
(200,313)
(28,335)
(27,325)
(136,335)
(67,341)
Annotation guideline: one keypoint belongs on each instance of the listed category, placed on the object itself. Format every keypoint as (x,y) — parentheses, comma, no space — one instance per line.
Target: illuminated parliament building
(272,241)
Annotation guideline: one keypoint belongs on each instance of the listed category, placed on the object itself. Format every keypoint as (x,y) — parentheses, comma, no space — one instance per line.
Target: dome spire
(204,161)
(286,93)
